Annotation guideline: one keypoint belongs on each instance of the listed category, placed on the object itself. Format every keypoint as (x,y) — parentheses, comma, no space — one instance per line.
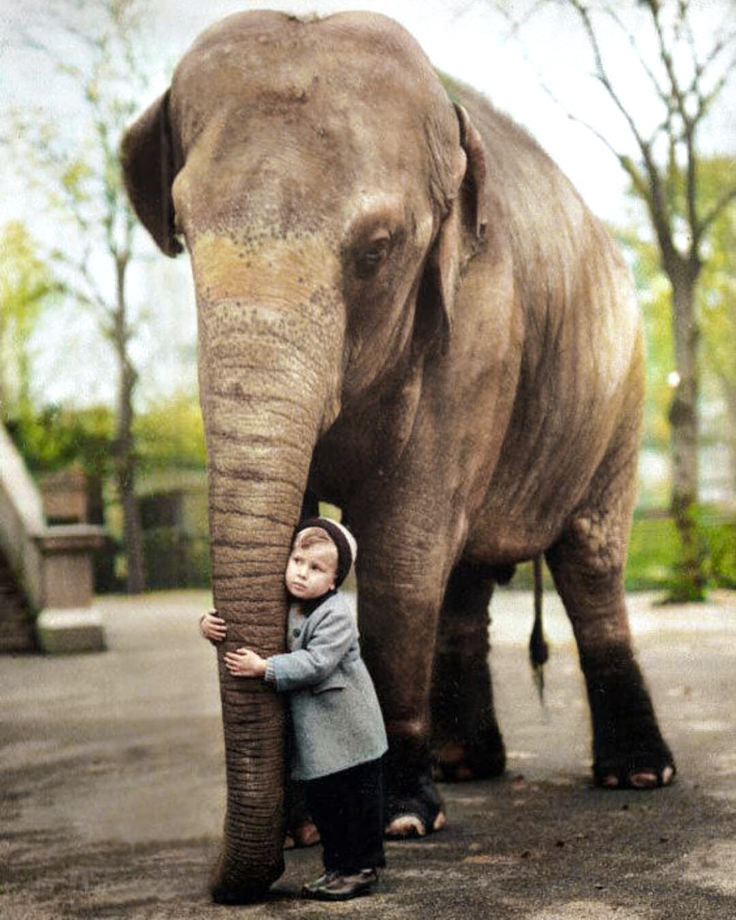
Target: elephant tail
(538,647)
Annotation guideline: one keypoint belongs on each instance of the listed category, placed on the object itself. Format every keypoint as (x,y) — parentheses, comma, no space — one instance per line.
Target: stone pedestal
(68,631)
(46,575)
(68,623)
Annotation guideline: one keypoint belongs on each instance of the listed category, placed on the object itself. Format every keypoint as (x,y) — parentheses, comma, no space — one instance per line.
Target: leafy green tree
(717,300)
(170,434)
(26,287)
(73,164)
(58,436)
(715,311)
(683,60)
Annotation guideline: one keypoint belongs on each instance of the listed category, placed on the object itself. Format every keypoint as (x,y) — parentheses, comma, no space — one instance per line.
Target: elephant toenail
(406,826)
(644,780)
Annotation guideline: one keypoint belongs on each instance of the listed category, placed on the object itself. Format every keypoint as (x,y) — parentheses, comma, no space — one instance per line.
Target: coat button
(296,633)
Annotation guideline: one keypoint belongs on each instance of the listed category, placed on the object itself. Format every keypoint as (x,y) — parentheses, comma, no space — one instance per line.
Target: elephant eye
(370,258)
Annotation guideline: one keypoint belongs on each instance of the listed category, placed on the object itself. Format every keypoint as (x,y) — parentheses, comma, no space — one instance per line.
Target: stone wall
(49,567)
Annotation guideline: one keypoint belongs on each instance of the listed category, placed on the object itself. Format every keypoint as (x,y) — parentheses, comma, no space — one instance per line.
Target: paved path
(112,785)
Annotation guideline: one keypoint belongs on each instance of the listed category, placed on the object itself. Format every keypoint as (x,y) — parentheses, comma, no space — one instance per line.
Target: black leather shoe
(310,887)
(345,887)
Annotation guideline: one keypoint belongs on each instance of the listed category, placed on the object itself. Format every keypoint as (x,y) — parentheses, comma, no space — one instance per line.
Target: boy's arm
(244,662)
(333,635)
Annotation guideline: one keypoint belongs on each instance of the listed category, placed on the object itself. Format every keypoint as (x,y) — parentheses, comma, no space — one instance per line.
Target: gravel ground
(112,784)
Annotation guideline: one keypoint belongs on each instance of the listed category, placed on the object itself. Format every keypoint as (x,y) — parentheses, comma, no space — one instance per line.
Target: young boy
(339,736)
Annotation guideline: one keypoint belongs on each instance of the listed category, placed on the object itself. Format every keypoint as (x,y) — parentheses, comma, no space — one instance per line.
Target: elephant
(406,310)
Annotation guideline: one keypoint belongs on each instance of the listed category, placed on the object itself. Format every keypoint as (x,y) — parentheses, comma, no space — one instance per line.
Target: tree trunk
(729,394)
(125,474)
(689,580)
(125,453)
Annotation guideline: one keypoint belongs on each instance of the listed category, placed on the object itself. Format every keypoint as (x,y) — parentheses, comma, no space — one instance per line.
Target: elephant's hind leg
(466,741)
(587,565)
(301,831)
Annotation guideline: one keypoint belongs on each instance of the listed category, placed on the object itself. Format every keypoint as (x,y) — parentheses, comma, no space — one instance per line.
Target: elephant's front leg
(466,740)
(400,594)
(587,566)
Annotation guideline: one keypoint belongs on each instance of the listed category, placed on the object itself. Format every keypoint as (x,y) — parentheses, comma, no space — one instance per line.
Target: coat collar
(310,606)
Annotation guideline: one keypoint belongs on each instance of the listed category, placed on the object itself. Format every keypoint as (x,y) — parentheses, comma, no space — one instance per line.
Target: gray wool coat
(337,720)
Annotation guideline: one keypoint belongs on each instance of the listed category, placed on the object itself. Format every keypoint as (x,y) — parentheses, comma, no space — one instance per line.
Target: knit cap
(347,547)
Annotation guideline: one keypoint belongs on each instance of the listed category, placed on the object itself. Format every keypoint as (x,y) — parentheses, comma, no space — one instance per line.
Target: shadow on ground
(112,785)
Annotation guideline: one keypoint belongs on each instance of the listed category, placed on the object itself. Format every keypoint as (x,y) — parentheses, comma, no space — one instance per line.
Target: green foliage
(654,551)
(170,439)
(717,295)
(716,311)
(94,49)
(75,177)
(701,557)
(720,535)
(59,437)
(26,287)
(170,434)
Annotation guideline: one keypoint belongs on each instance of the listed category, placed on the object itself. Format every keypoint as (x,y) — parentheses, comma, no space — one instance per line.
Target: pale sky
(466,41)
(461,37)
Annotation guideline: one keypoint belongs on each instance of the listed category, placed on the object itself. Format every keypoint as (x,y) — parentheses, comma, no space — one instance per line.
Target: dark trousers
(347,808)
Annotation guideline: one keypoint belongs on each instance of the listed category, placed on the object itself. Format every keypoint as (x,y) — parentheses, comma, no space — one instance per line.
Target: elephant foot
(414,812)
(642,769)
(305,835)
(637,778)
(301,831)
(232,895)
(404,827)
(629,751)
(455,762)
(229,886)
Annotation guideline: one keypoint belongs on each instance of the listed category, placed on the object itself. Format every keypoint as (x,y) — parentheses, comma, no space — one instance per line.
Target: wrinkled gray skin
(405,309)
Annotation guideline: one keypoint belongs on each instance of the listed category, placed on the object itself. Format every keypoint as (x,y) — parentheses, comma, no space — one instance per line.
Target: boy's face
(310,572)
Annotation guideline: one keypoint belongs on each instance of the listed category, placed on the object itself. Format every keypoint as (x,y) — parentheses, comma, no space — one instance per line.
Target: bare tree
(74,161)
(685,57)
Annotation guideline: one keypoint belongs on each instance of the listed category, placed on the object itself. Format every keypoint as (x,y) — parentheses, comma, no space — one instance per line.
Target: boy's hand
(245,663)
(212,627)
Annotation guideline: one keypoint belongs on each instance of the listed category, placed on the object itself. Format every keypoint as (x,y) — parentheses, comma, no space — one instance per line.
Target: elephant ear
(474,183)
(148,172)
(467,215)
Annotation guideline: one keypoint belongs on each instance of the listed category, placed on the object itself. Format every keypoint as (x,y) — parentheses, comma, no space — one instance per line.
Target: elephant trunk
(269,384)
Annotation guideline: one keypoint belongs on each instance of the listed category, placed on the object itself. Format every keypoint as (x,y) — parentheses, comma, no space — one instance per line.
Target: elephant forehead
(283,270)
(310,70)
(246,42)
